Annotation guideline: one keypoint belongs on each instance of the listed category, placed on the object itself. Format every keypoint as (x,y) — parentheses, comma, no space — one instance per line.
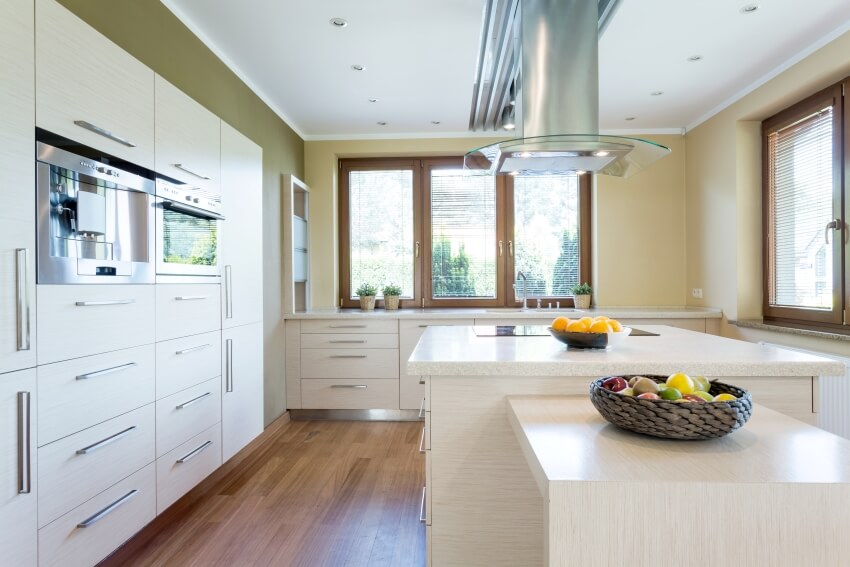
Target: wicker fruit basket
(671,420)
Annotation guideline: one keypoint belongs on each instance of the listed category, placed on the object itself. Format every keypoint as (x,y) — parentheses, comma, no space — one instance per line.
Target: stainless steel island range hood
(538,68)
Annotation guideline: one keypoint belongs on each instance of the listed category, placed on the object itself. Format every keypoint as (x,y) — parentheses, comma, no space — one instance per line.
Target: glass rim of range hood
(619,156)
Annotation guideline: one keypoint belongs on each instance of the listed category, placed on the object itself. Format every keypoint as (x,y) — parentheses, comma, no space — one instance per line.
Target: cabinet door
(91,90)
(18,528)
(17,180)
(188,140)
(242,396)
(411,387)
(242,233)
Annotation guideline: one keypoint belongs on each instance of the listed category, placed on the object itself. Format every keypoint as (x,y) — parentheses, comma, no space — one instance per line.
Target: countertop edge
(543,314)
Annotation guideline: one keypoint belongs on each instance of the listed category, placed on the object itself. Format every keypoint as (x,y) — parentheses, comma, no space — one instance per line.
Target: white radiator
(833,394)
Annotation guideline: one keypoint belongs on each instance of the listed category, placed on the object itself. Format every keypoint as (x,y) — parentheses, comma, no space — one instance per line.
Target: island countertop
(457,351)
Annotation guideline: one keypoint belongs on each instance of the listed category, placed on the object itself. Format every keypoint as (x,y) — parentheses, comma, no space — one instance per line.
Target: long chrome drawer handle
(109,302)
(194,452)
(228,292)
(353,386)
(192,349)
(422,511)
(422,409)
(422,442)
(104,132)
(104,442)
(190,297)
(23,297)
(106,511)
(24,453)
(107,371)
(228,365)
(193,401)
(346,326)
(181,167)
(348,356)
(360,342)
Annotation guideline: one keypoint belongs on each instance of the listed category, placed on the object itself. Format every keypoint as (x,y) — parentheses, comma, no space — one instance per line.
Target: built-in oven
(187,230)
(95,218)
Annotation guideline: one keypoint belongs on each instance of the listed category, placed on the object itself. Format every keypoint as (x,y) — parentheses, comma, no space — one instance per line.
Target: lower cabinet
(242,387)
(180,470)
(18,474)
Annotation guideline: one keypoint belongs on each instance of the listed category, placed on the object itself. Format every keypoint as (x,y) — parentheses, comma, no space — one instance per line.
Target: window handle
(501,248)
(831,225)
(416,253)
(511,248)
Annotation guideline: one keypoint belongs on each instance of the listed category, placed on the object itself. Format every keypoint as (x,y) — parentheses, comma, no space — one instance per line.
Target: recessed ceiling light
(600,154)
(382,123)
(749,8)
(630,118)
(513,173)
(373,100)
(435,122)
(694,58)
(358,67)
(580,172)
(525,155)
(656,93)
(338,22)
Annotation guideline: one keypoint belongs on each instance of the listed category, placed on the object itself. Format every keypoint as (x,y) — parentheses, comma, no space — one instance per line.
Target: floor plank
(312,494)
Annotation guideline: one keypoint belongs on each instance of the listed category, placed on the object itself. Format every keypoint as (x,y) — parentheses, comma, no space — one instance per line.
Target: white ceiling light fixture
(338,22)
(357,67)
(547,53)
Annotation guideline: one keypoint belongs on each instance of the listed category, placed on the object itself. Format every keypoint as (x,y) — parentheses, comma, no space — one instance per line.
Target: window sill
(761,325)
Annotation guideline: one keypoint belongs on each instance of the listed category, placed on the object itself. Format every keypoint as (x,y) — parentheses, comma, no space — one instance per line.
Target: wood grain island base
(774,493)
(483,506)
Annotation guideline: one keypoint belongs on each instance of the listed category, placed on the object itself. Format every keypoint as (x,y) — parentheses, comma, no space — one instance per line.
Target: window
(454,240)
(804,242)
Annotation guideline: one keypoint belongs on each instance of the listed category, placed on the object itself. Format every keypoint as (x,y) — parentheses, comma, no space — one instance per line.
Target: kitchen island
(481,504)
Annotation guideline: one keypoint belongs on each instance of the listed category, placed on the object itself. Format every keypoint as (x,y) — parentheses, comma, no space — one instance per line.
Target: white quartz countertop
(565,439)
(508,313)
(457,351)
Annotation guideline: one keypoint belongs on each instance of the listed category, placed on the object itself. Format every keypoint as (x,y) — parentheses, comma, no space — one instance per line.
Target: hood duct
(538,68)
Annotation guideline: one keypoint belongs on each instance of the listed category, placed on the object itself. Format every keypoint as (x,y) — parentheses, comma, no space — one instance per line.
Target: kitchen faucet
(524,290)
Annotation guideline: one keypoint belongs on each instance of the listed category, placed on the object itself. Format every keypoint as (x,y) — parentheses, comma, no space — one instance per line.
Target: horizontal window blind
(800,189)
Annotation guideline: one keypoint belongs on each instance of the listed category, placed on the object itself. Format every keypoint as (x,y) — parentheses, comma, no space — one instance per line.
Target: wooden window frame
(505,267)
(801,317)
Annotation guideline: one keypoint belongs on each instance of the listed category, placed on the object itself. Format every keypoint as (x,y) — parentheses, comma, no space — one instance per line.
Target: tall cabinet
(18,475)
(296,250)
(242,290)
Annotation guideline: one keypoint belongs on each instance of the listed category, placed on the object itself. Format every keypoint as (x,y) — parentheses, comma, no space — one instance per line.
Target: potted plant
(581,295)
(391,294)
(367,293)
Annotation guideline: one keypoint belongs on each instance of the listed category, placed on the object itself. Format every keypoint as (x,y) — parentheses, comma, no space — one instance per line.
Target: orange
(615,325)
(588,321)
(600,327)
(577,326)
(560,323)
(600,318)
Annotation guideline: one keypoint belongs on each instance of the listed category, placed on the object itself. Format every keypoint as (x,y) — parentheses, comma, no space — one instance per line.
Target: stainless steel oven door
(186,240)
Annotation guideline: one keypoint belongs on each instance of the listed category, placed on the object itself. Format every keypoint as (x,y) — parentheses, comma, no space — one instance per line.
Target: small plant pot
(582,301)
(367,302)
(391,302)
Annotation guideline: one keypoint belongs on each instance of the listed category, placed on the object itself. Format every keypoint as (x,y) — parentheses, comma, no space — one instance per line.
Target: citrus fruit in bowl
(589,332)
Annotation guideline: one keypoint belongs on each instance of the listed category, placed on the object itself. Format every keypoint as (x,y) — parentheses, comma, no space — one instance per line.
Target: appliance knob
(188,198)
(196,200)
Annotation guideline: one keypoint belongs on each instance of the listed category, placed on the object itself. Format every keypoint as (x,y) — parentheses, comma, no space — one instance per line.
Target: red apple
(615,384)
(649,396)
(693,398)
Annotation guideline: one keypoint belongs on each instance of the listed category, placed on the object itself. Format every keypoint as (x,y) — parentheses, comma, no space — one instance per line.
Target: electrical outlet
(696,293)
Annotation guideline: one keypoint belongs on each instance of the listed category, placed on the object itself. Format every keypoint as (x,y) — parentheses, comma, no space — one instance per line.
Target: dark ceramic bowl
(590,340)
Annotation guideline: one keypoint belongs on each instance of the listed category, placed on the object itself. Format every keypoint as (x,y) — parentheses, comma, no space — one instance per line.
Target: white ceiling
(420,58)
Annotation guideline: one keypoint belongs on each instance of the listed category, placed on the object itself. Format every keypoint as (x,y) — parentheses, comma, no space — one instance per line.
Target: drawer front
(180,470)
(187,413)
(349,326)
(689,324)
(79,393)
(81,320)
(350,340)
(185,362)
(112,517)
(349,394)
(349,363)
(75,468)
(187,309)
(411,391)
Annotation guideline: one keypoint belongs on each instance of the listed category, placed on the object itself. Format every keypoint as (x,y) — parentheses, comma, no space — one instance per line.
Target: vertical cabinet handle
(24,454)
(422,409)
(422,509)
(228,293)
(23,297)
(422,442)
(228,364)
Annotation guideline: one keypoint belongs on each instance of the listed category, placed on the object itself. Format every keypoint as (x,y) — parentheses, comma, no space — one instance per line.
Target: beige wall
(723,203)
(639,222)
(152,34)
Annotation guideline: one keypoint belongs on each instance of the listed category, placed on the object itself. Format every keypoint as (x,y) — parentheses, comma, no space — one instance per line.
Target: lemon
(615,325)
(724,397)
(560,323)
(600,318)
(577,326)
(588,321)
(681,382)
(600,327)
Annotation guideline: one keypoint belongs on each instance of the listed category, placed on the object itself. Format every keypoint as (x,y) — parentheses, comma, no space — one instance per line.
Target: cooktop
(533,331)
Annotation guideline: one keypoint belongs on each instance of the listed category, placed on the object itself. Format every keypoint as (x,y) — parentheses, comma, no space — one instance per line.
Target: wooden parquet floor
(312,494)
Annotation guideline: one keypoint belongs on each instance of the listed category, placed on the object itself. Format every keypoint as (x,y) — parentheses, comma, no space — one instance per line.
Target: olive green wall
(152,34)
